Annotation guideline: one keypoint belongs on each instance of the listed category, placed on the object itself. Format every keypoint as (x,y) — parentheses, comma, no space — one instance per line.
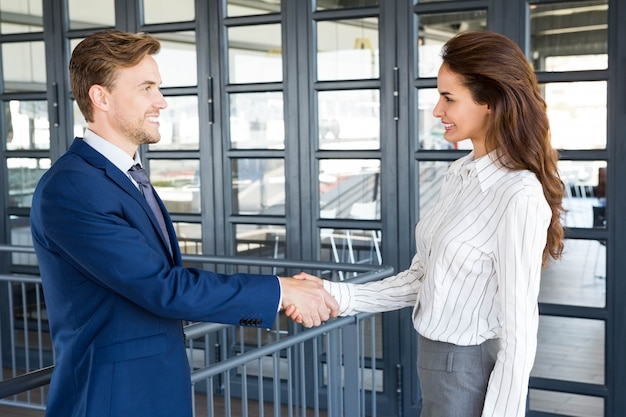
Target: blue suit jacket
(115,296)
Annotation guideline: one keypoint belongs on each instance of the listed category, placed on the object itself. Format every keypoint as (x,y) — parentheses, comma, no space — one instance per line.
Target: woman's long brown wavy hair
(495,70)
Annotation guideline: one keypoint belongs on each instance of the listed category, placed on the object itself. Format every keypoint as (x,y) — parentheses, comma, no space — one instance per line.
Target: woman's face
(461,116)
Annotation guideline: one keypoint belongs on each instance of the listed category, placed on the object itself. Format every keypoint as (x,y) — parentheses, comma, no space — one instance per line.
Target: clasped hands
(305,300)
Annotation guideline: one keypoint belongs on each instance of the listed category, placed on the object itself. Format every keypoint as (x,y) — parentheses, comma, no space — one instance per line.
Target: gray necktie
(140,175)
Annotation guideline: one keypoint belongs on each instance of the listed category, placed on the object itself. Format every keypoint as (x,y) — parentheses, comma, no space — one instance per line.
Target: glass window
(177,59)
(26,125)
(24,174)
(86,14)
(577,113)
(350,188)
(252,7)
(334,4)
(570,349)
(21,16)
(21,236)
(24,66)
(565,403)
(178,183)
(585,193)
(347,49)
(350,246)
(164,11)
(264,241)
(258,186)
(349,119)
(255,54)
(431,175)
(579,277)
(256,120)
(179,124)
(436,29)
(189,237)
(569,36)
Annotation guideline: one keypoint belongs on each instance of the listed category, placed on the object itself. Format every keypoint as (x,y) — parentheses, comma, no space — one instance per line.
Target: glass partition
(256,120)
(577,113)
(177,59)
(347,49)
(165,11)
(179,124)
(258,186)
(255,54)
(350,188)
(177,181)
(24,174)
(24,66)
(87,14)
(436,29)
(26,125)
(349,119)
(569,36)
(21,16)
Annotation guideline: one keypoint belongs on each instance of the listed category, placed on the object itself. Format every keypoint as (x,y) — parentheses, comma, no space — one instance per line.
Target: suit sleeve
(86,226)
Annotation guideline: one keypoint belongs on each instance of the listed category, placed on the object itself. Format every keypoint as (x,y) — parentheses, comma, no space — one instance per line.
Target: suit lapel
(120,178)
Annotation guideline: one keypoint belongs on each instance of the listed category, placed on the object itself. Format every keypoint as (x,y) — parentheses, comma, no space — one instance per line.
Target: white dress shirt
(476,272)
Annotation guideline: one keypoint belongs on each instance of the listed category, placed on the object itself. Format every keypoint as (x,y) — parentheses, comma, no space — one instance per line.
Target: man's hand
(307,302)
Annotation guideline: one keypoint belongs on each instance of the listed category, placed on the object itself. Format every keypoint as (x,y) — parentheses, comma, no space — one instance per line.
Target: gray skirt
(453,378)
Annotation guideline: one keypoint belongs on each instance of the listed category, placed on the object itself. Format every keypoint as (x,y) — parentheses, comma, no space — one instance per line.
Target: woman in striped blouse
(474,280)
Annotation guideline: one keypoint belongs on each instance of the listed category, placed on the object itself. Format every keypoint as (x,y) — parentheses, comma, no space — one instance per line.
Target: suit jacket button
(242,322)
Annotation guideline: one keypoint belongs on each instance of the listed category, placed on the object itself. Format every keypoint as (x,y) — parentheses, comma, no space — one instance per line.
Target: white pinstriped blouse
(476,272)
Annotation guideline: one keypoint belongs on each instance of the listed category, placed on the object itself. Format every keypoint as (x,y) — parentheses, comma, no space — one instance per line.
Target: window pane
(24,66)
(570,349)
(264,241)
(254,54)
(21,16)
(579,277)
(585,193)
(252,7)
(565,403)
(349,119)
(189,237)
(24,174)
(178,183)
(430,180)
(350,188)
(569,36)
(21,236)
(256,121)
(347,49)
(177,59)
(436,29)
(334,4)
(85,14)
(577,113)
(258,186)
(163,11)
(179,124)
(27,125)
(350,246)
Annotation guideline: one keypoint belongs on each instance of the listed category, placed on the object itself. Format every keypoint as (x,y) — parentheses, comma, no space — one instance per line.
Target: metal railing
(331,370)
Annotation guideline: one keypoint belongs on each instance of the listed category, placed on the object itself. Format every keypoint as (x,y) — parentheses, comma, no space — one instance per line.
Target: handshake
(305,300)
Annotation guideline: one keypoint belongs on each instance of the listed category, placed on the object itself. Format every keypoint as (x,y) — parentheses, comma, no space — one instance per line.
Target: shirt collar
(488,168)
(117,156)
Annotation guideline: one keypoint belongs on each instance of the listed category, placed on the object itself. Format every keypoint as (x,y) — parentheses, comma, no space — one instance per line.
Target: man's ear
(99,97)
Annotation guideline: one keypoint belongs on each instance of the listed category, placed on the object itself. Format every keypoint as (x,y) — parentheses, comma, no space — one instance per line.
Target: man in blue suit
(113,280)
